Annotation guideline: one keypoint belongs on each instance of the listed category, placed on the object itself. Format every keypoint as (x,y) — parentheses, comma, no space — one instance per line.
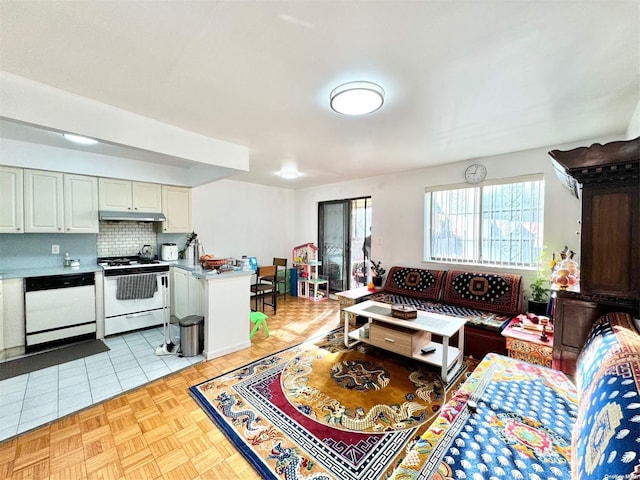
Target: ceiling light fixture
(357,98)
(79,139)
(289,174)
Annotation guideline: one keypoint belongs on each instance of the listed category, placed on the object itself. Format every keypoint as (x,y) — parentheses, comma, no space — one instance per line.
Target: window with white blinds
(499,224)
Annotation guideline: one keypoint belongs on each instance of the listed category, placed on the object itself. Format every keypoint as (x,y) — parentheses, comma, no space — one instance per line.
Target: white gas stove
(132,300)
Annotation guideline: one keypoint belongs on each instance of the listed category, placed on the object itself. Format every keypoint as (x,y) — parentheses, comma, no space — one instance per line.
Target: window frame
(427,256)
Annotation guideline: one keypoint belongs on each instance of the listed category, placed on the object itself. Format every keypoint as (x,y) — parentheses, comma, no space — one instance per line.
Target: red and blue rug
(322,411)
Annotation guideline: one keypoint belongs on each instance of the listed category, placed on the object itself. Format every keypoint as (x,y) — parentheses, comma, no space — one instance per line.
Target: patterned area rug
(321,411)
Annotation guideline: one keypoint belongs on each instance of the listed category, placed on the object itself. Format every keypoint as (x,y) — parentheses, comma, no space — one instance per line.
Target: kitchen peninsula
(224,302)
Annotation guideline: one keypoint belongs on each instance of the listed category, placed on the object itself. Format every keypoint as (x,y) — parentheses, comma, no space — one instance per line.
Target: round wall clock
(475,173)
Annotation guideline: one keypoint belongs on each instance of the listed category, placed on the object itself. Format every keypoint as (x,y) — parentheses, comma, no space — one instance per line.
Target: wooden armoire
(609,242)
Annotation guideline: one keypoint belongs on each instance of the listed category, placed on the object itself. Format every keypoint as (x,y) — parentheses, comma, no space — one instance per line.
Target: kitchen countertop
(200,272)
(45,271)
(29,271)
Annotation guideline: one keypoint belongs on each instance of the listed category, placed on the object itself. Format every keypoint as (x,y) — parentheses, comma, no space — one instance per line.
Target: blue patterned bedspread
(532,423)
(607,434)
(521,428)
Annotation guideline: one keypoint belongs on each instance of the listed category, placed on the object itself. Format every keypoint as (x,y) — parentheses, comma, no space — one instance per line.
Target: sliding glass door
(343,226)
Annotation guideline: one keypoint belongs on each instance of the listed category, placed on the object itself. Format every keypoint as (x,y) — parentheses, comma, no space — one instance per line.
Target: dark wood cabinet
(610,241)
(609,176)
(574,314)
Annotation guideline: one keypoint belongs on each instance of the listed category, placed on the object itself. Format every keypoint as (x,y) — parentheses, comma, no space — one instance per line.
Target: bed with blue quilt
(515,420)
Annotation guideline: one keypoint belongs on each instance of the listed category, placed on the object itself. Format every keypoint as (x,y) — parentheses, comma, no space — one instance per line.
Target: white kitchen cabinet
(43,201)
(80,204)
(187,294)
(176,207)
(11,199)
(3,355)
(13,316)
(114,195)
(146,197)
(127,196)
(60,203)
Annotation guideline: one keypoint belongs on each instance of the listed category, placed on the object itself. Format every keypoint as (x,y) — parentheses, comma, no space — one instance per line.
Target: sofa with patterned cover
(487,300)
(531,422)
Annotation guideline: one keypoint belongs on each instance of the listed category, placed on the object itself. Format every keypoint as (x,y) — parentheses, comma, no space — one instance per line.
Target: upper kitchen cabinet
(146,197)
(11,199)
(80,204)
(126,196)
(176,206)
(60,203)
(43,202)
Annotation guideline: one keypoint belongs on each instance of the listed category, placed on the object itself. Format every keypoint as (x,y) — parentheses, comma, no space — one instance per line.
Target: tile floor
(36,398)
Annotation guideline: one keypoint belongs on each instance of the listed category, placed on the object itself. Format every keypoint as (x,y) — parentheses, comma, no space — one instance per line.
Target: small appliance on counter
(146,254)
(168,252)
(71,262)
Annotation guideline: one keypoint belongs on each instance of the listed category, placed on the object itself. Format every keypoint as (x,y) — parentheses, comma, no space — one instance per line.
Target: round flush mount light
(356,98)
(79,139)
(289,174)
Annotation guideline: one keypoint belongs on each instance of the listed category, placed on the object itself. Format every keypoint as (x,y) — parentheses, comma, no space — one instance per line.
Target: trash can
(192,335)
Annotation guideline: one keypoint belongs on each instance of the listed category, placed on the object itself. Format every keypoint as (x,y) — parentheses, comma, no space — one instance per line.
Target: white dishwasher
(59,309)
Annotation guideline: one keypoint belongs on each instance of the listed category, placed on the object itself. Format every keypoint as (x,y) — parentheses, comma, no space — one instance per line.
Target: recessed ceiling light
(357,98)
(289,174)
(79,139)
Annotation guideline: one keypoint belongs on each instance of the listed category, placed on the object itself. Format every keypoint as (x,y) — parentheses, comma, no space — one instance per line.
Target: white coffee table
(408,337)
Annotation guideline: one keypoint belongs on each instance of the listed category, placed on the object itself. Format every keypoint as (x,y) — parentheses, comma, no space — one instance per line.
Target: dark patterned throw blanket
(486,300)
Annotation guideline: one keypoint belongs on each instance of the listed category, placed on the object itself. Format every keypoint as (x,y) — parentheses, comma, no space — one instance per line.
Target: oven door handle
(163,275)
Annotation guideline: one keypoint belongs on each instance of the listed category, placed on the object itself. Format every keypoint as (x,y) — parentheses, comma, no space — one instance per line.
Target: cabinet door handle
(390,340)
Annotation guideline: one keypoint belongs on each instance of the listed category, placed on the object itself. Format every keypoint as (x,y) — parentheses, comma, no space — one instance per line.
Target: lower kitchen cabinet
(2,354)
(187,294)
(13,316)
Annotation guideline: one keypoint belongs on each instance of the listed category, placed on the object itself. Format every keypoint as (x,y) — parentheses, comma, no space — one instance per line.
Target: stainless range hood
(131,216)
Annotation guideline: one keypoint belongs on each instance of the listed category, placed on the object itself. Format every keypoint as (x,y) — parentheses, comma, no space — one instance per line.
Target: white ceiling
(463,79)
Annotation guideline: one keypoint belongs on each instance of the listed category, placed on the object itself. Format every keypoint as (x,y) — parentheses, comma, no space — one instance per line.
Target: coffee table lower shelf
(454,354)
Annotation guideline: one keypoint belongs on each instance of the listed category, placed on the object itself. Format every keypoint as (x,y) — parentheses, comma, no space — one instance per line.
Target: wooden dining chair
(265,286)
(281,275)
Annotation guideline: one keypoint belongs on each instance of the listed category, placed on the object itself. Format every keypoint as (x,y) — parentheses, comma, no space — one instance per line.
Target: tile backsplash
(125,238)
(29,250)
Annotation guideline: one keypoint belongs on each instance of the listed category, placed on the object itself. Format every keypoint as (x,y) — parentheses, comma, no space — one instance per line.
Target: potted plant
(539,298)
(377,271)
(191,239)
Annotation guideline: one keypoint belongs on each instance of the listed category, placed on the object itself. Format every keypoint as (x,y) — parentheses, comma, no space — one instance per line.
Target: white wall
(397,222)
(236,218)
(633,131)
(17,153)
(35,103)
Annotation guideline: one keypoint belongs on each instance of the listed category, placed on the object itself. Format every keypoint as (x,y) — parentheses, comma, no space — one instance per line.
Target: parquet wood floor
(158,431)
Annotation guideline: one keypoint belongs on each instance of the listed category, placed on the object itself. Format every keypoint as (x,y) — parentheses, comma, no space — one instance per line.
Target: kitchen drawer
(397,339)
